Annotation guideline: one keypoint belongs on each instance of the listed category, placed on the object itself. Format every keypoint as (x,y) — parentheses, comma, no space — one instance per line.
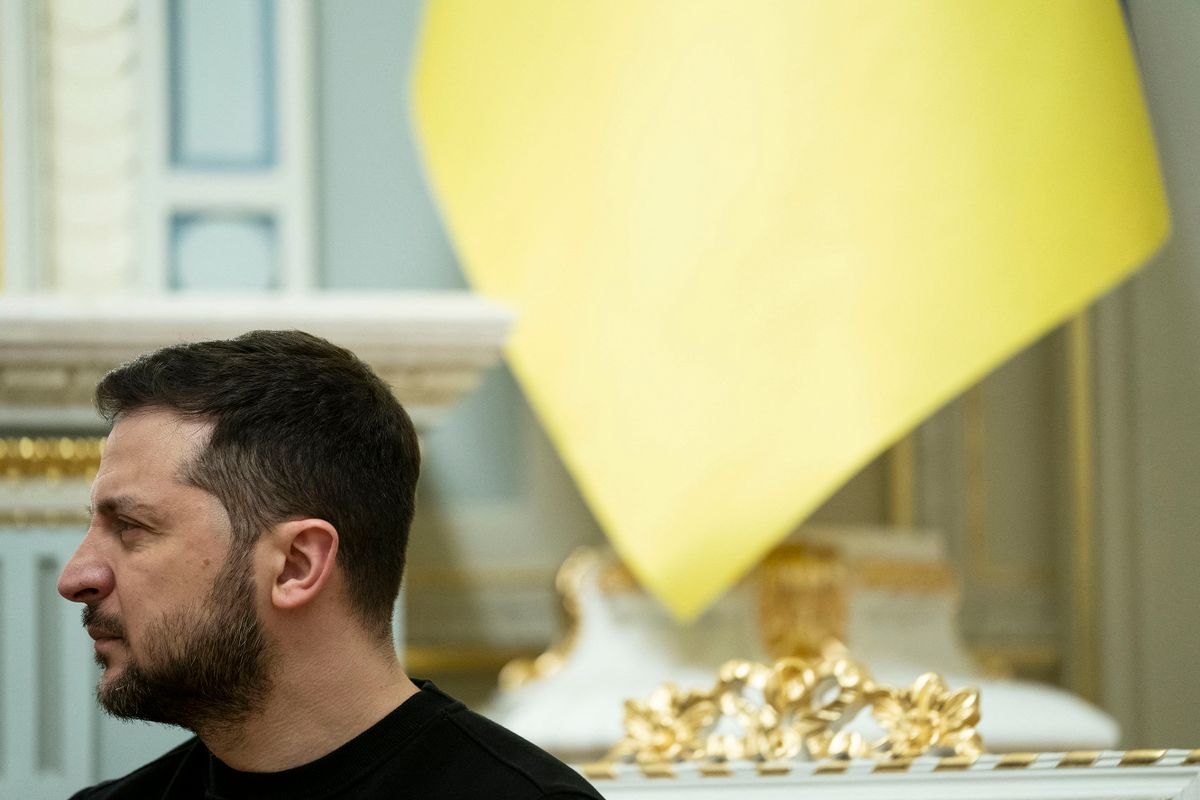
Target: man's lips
(100,634)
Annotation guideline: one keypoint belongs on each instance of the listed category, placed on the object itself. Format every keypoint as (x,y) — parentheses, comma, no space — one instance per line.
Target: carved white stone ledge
(431,347)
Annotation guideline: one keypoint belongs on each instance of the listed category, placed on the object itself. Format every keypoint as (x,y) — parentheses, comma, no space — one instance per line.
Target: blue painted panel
(379,227)
(224,251)
(223,77)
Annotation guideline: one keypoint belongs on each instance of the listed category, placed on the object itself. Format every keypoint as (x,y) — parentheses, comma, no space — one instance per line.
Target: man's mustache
(97,621)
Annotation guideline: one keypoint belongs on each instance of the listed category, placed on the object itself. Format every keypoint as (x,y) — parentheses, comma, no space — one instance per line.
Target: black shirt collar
(330,773)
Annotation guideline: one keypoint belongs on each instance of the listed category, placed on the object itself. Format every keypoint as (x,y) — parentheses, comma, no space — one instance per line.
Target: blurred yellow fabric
(752,244)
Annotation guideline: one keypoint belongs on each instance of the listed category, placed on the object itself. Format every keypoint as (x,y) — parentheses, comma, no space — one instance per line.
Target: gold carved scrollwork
(798,708)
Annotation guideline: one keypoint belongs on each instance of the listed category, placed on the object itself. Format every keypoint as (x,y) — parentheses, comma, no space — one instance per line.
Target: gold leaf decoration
(928,716)
(798,708)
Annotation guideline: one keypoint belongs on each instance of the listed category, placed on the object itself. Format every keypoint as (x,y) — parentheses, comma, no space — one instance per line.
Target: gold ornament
(798,708)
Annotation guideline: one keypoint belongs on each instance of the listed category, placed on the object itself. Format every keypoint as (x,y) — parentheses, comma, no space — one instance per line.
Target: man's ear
(305,551)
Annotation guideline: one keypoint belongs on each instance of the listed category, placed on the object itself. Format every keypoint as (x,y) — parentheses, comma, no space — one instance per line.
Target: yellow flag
(752,244)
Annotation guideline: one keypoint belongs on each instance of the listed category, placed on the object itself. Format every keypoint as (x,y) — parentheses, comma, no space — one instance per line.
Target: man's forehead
(158,435)
(156,421)
(150,450)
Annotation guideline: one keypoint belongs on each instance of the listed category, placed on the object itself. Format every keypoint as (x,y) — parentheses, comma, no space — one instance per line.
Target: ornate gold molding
(796,709)
(44,458)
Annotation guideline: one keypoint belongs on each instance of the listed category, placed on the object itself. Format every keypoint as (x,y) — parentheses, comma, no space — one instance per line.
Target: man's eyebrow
(121,504)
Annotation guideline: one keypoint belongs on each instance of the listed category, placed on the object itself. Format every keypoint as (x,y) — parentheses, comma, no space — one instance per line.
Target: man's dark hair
(301,428)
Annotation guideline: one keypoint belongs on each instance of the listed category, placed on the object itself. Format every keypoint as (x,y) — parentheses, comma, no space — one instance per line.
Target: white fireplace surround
(431,347)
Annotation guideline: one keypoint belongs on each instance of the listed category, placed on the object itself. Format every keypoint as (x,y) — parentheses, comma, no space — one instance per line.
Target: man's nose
(87,577)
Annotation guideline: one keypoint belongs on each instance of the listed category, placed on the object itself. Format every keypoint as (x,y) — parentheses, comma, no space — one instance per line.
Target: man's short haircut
(301,428)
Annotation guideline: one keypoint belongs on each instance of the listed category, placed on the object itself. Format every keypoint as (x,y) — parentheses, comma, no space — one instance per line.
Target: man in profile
(248,529)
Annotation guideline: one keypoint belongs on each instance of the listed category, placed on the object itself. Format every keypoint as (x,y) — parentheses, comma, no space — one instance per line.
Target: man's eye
(122,526)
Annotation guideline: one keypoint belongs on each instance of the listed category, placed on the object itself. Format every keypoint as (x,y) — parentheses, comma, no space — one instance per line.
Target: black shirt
(431,746)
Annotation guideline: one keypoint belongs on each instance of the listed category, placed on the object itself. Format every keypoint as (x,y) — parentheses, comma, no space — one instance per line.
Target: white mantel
(431,347)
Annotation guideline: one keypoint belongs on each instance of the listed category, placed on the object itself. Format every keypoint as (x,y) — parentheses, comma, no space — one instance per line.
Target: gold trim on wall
(50,458)
(901,483)
(1085,659)
(27,517)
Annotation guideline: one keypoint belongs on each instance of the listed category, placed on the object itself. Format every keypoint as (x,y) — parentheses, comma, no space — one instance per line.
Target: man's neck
(317,704)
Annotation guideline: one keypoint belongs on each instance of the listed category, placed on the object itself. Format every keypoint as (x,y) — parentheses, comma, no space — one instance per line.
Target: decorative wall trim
(1081,424)
(901,483)
(264,153)
(50,458)
(431,348)
(850,768)
(92,118)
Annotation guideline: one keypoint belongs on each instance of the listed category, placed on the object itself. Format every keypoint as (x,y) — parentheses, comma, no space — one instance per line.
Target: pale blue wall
(379,228)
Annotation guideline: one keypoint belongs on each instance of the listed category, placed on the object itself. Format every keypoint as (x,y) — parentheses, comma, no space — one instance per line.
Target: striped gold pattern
(718,770)
(1082,759)
(955,763)
(1016,760)
(660,769)
(831,768)
(1141,758)
(1078,758)
(774,768)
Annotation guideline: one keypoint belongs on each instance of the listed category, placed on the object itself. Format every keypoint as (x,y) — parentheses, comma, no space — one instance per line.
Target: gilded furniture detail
(797,708)
(888,596)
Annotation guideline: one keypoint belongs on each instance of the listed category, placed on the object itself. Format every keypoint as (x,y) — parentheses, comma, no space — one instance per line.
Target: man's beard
(204,667)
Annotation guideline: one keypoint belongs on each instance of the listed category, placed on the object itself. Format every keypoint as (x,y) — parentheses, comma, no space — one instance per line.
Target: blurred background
(265,146)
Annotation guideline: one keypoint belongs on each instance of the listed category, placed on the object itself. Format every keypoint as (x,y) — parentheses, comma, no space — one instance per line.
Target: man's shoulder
(462,752)
(143,781)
